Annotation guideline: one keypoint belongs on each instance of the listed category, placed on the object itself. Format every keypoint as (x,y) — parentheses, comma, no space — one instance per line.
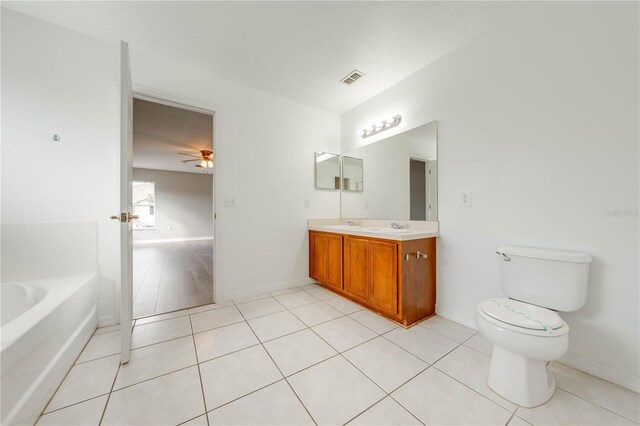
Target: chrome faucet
(397,225)
(353,223)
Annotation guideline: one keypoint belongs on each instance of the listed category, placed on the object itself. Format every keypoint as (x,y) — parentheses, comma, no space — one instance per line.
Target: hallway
(171,276)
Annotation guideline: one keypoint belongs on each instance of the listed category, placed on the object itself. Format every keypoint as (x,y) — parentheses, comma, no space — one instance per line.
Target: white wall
(56,81)
(386,192)
(183,202)
(539,119)
(59,81)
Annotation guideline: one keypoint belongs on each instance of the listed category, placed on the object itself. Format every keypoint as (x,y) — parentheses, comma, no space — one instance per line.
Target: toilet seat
(523,317)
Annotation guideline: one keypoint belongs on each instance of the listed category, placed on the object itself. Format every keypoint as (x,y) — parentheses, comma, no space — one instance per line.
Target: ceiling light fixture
(384,125)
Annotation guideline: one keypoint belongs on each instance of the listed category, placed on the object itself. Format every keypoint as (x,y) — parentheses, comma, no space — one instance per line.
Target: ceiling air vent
(352,77)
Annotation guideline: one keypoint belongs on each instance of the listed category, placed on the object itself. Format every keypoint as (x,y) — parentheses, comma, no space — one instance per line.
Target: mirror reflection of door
(432,190)
(417,189)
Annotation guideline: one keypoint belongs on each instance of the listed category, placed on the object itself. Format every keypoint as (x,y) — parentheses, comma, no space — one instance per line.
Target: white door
(126,226)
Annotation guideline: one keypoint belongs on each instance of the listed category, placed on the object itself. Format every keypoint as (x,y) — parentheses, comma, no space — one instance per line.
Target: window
(144,205)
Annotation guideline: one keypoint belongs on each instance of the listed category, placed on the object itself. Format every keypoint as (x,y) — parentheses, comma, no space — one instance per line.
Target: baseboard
(107,320)
(602,371)
(266,289)
(455,318)
(171,240)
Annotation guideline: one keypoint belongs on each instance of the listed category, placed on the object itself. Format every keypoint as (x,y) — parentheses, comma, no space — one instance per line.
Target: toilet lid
(522,314)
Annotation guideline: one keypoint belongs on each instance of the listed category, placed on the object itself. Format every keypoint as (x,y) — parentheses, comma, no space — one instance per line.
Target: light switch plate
(465,199)
(306,204)
(229,202)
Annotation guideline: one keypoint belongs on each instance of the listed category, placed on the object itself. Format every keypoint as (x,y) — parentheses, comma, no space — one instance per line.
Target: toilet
(525,329)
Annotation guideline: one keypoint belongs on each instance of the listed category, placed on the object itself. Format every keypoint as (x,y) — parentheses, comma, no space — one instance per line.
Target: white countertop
(374,231)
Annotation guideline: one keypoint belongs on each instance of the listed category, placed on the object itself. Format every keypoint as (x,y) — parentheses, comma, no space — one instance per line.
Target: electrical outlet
(465,199)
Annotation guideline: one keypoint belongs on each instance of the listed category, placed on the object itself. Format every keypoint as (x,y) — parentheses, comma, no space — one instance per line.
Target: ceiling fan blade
(190,155)
(198,165)
(187,161)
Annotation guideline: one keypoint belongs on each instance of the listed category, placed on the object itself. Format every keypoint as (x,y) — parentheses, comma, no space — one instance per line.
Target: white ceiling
(298,50)
(161,132)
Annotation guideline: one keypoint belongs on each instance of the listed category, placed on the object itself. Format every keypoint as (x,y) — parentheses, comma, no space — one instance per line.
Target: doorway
(172,195)
(417,189)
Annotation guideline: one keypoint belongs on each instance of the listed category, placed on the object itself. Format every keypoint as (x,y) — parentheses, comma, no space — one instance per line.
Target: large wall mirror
(327,170)
(395,178)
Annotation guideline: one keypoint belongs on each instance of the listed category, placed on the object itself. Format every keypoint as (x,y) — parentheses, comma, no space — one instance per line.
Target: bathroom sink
(387,230)
(344,227)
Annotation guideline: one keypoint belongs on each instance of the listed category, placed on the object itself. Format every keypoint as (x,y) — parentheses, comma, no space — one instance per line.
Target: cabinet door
(318,256)
(417,279)
(334,261)
(356,270)
(383,273)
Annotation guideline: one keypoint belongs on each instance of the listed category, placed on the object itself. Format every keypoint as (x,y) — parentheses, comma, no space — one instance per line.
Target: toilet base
(521,380)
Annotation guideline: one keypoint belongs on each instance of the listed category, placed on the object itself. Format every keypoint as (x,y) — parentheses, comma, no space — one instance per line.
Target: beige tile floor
(307,356)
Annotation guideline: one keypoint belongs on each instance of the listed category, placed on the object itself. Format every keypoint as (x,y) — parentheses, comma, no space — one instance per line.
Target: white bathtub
(44,326)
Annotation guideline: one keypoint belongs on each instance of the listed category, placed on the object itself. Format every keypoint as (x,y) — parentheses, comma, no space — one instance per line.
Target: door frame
(160,97)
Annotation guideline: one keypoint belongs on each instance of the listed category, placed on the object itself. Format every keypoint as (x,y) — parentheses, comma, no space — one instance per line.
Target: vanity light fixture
(384,125)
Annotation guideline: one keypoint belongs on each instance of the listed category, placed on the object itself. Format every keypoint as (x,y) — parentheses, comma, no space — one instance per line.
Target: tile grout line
(367,409)
(463,343)
(484,396)
(195,350)
(154,377)
(387,394)
(193,418)
(242,396)
(71,405)
(104,410)
(133,349)
(75,362)
(276,365)
(345,358)
(511,417)
(464,384)
(593,403)
(400,404)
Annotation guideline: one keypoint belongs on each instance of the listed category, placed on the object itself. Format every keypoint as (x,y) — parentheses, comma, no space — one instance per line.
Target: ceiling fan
(205,159)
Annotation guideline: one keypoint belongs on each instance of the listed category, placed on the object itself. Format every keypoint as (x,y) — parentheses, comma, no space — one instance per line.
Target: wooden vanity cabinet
(386,276)
(325,259)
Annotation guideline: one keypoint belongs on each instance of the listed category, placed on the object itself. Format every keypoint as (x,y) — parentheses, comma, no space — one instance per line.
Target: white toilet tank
(552,279)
